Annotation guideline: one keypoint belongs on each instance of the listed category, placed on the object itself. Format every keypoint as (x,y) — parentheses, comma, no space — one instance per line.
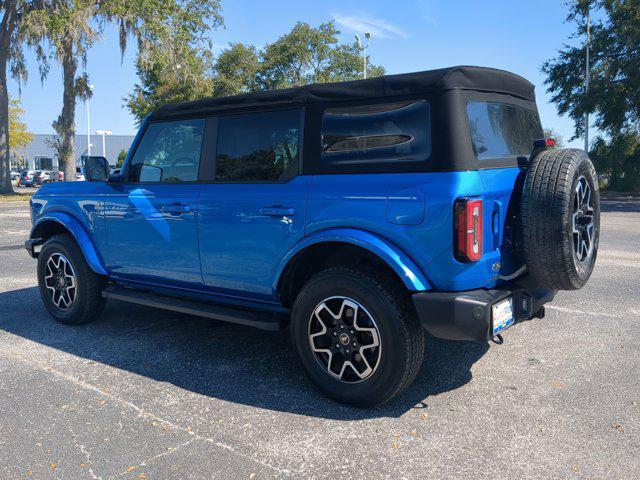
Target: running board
(263,320)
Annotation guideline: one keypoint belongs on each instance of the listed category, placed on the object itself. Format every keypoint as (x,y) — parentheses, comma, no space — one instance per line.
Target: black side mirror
(96,169)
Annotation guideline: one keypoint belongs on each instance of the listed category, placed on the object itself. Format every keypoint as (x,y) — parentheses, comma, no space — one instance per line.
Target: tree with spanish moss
(72,27)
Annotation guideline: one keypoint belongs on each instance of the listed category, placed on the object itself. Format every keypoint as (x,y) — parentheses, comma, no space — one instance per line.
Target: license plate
(502,315)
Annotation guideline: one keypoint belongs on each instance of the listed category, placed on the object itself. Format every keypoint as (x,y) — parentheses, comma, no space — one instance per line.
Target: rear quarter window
(501,130)
(376,135)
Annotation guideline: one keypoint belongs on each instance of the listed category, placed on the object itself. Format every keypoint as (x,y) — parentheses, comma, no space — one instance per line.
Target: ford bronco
(356,214)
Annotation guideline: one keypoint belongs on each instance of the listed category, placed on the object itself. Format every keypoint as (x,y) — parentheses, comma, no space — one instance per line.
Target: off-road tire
(88,302)
(547,209)
(401,336)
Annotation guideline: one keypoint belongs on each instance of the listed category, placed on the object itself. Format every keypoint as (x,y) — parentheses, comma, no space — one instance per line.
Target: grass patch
(16,197)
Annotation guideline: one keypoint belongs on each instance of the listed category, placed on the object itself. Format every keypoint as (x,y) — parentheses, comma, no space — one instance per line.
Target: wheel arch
(55,223)
(344,247)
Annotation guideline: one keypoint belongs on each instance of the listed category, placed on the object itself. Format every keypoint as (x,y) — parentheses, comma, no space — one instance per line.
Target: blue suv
(356,214)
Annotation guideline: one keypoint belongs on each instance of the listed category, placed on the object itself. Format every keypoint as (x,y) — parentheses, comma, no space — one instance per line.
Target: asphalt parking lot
(145,393)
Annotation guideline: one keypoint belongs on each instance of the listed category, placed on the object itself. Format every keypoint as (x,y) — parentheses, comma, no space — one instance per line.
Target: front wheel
(70,290)
(357,336)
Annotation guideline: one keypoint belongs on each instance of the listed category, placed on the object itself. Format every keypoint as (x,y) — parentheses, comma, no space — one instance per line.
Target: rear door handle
(277,211)
(176,208)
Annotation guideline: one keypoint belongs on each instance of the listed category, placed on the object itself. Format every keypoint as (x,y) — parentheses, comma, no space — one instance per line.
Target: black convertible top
(431,81)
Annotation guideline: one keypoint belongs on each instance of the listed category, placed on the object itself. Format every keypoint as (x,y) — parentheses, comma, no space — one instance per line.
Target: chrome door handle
(277,211)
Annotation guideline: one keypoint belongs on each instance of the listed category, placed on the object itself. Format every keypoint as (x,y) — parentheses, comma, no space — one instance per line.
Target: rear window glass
(500,130)
(381,133)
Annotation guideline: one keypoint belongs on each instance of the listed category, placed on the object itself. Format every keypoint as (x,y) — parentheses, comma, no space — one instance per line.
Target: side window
(258,146)
(500,130)
(376,134)
(169,152)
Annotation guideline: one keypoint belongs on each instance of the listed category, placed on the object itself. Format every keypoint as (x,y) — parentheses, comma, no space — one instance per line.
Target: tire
(78,305)
(381,306)
(557,222)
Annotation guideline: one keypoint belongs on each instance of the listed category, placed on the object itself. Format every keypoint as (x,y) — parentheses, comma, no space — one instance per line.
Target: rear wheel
(357,336)
(70,290)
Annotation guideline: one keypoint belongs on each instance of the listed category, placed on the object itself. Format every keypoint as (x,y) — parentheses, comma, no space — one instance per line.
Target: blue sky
(407,36)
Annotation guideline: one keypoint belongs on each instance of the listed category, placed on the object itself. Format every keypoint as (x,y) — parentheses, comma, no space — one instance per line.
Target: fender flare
(78,232)
(406,269)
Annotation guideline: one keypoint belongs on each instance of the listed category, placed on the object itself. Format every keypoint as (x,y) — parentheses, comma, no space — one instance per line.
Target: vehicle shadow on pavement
(220,360)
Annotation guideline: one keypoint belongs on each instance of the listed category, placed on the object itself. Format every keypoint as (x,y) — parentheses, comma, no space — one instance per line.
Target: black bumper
(467,315)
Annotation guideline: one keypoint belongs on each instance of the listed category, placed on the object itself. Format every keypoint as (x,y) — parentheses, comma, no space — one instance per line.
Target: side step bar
(263,320)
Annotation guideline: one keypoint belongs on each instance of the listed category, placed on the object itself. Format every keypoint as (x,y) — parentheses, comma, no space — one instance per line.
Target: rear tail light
(467,235)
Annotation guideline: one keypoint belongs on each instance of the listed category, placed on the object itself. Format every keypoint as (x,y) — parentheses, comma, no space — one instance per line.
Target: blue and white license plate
(502,315)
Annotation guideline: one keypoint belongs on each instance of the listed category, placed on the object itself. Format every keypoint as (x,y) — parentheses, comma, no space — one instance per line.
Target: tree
(11,62)
(310,55)
(121,157)
(614,90)
(235,70)
(164,81)
(73,26)
(19,136)
(619,159)
(304,55)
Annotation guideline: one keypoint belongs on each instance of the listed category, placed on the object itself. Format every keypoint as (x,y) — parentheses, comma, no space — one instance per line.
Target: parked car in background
(14,175)
(357,214)
(80,174)
(42,177)
(26,178)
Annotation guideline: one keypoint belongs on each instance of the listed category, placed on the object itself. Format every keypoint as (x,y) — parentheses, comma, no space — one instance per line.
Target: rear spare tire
(560,218)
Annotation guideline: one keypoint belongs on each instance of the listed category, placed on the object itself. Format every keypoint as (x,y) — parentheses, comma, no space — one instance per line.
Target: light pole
(363,49)
(103,133)
(586,81)
(86,106)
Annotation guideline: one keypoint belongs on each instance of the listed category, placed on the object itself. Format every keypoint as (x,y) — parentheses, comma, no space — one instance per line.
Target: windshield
(501,130)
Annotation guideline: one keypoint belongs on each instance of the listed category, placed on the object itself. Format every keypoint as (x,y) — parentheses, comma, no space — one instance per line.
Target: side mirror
(96,169)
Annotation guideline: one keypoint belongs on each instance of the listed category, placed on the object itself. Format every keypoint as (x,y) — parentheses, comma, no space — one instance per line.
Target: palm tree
(71,27)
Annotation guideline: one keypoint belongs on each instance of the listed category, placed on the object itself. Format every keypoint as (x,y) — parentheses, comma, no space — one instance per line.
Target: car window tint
(380,133)
(500,130)
(258,146)
(169,152)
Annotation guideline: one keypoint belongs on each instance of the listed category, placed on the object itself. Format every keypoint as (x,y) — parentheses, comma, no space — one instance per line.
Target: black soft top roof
(431,81)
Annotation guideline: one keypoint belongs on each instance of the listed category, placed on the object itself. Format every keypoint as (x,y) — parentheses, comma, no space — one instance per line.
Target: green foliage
(121,157)
(235,70)
(304,55)
(614,91)
(619,159)
(553,133)
(19,136)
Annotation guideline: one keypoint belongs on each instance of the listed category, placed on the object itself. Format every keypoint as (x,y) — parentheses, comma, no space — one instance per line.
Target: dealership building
(40,155)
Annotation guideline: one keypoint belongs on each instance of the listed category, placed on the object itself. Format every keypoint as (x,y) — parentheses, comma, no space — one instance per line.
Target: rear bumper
(467,315)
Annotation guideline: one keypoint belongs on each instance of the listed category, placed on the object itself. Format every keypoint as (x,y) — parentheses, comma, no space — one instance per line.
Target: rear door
(252,210)
(151,218)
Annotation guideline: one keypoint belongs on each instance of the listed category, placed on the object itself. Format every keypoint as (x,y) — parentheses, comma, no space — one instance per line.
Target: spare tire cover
(560,212)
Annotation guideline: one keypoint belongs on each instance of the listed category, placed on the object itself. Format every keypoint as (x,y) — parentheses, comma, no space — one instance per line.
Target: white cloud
(364,23)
